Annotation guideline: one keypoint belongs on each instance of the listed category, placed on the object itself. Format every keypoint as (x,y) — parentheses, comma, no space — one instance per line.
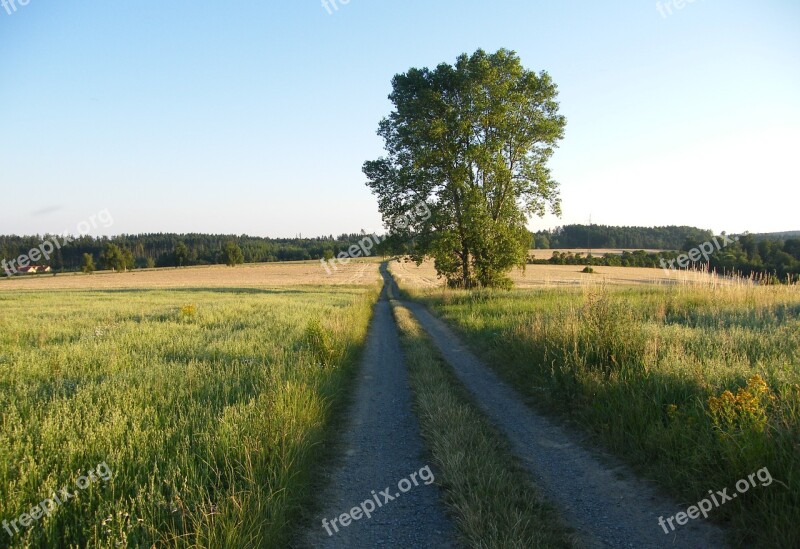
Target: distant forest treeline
(752,254)
(788,235)
(159,250)
(631,238)
(635,238)
(774,260)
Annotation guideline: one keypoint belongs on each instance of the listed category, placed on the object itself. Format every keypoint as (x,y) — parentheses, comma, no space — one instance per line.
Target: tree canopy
(471,140)
(117,258)
(233,254)
(181,254)
(87,265)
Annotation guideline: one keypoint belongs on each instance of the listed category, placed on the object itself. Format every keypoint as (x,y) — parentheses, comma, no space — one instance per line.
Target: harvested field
(357,272)
(424,276)
(547,254)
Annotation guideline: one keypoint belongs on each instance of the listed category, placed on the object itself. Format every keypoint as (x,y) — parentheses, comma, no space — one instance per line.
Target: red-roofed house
(34,269)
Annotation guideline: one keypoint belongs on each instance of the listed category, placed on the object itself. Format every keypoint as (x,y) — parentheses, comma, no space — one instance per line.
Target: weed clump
(319,343)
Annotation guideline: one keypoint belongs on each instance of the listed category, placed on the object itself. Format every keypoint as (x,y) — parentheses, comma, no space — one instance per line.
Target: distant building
(34,269)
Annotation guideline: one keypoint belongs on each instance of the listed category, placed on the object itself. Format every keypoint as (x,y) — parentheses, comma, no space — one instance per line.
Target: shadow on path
(382,447)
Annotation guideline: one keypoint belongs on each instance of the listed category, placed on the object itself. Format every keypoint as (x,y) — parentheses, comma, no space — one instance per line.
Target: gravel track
(599,497)
(382,446)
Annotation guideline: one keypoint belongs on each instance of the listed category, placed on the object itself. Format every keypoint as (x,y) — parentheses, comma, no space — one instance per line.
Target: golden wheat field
(424,276)
(599,252)
(362,272)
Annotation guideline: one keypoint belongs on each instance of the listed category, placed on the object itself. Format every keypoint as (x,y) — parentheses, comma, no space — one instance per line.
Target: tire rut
(382,446)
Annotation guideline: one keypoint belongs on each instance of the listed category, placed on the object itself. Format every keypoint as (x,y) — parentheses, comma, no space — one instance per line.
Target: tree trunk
(465,266)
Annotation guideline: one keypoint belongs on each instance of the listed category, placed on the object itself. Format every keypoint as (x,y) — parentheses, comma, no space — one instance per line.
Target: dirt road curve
(382,447)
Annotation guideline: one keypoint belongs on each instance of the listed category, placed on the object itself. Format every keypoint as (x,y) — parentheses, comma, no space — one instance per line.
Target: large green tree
(472,141)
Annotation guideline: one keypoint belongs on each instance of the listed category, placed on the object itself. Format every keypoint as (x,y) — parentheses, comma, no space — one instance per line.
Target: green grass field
(208,406)
(697,387)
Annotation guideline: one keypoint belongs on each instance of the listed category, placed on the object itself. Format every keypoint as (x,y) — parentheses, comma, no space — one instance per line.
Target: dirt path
(382,447)
(601,499)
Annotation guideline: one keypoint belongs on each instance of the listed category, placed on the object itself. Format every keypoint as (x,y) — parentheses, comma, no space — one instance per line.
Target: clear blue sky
(256,116)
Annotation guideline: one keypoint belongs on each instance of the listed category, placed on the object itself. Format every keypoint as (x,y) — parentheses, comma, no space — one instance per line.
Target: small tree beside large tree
(117,258)
(472,141)
(232,254)
(87,264)
(181,253)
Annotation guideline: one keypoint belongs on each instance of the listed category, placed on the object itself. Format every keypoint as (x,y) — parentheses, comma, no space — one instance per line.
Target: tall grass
(208,406)
(696,386)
